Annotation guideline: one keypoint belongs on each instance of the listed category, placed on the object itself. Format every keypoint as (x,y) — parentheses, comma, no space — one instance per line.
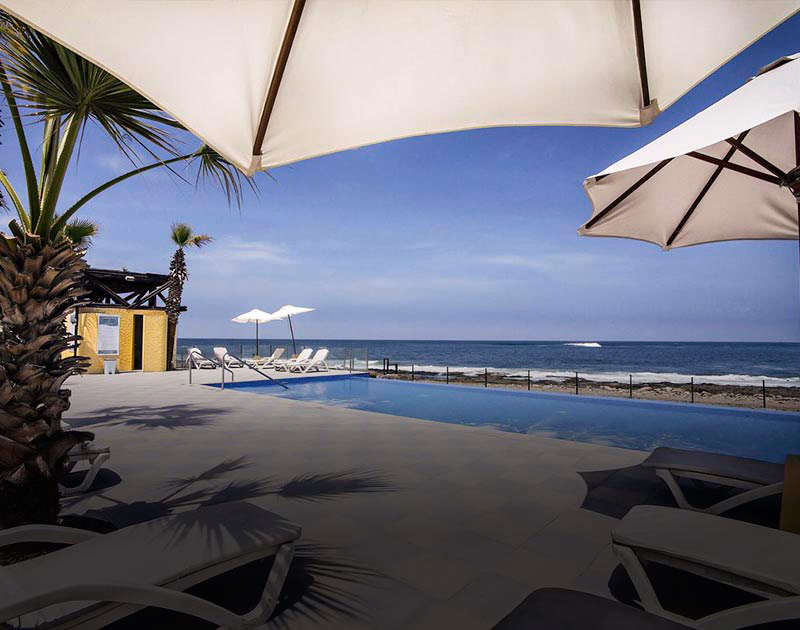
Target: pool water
(637,424)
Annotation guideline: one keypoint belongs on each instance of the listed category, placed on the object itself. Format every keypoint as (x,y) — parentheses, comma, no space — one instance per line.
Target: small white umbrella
(294,79)
(731,172)
(287,310)
(256,316)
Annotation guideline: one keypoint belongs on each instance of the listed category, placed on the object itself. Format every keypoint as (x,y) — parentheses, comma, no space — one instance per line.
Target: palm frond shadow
(320,584)
(318,587)
(179,416)
(316,487)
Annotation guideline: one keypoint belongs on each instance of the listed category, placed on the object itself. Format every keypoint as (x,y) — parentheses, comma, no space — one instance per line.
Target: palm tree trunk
(178,274)
(39,282)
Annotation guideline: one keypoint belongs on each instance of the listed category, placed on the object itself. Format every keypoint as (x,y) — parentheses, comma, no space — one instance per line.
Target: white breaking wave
(585,344)
(599,377)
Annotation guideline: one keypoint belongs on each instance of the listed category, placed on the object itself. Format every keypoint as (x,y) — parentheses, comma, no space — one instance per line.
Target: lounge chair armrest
(137,594)
(783,609)
(45,533)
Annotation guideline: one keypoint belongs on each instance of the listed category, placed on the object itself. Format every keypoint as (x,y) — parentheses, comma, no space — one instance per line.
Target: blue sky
(468,235)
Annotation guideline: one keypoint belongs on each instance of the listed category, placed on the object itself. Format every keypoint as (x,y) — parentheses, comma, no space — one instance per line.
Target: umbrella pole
(257,338)
(294,347)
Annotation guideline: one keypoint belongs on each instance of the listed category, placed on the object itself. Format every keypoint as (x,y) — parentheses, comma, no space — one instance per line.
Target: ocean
(730,363)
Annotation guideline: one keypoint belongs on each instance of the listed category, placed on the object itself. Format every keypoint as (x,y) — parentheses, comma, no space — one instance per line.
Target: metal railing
(245,364)
(586,382)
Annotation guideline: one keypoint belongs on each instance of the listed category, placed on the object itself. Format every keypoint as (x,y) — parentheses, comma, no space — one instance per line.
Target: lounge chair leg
(745,497)
(88,479)
(675,489)
(784,609)
(647,596)
(272,589)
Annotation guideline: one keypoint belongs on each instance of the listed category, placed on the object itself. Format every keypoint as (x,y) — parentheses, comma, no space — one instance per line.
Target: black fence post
(693,389)
(529,380)
(486,377)
(764,392)
(447,374)
(576,383)
(240,350)
(630,385)
(412,371)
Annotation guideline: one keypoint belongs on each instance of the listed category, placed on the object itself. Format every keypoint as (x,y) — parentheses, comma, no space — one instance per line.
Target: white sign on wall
(108,335)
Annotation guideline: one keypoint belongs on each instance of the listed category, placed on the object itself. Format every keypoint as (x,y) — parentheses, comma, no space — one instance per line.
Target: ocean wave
(601,377)
(585,344)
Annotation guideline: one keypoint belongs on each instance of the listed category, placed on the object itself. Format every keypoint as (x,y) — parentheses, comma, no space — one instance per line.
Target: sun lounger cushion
(742,468)
(563,609)
(765,555)
(158,552)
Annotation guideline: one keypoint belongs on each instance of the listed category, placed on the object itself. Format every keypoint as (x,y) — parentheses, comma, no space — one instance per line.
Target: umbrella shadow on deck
(616,491)
(319,585)
(178,416)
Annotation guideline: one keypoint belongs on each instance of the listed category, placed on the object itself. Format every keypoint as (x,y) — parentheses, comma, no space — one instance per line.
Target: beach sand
(777,398)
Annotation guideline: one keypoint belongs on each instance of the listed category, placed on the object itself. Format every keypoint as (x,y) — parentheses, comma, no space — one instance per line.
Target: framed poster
(108,335)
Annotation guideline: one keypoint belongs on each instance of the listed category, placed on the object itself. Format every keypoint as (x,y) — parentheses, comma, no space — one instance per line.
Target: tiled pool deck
(435,525)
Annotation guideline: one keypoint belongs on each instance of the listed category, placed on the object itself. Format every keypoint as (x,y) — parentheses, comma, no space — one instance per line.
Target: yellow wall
(154,339)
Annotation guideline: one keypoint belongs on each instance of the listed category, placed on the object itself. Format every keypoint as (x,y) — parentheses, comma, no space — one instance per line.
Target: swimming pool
(637,424)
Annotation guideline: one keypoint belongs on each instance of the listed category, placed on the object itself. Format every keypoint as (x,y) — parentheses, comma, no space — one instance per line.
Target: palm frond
(180,234)
(217,170)
(183,235)
(200,240)
(53,83)
(80,232)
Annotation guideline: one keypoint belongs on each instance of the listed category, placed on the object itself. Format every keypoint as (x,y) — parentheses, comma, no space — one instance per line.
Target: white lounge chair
(752,558)
(94,456)
(287,365)
(198,361)
(317,363)
(756,478)
(101,578)
(564,609)
(227,361)
(267,361)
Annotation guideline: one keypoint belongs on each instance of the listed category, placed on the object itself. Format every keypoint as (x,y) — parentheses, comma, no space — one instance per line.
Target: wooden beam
(277,75)
(108,291)
(150,295)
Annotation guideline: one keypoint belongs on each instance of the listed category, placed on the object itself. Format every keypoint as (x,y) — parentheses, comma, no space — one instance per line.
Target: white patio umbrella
(287,310)
(269,83)
(730,172)
(255,316)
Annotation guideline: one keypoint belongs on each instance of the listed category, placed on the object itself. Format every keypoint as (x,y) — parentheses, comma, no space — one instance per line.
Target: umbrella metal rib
(640,56)
(757,158)
(744,170)
(277,76)
(704,191)
(627,193)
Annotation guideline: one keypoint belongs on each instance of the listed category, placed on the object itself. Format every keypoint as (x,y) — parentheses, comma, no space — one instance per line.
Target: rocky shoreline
(777,398)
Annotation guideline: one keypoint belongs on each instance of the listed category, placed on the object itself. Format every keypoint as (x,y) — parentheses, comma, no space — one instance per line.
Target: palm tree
(41,270)
(80,233)
(183,236)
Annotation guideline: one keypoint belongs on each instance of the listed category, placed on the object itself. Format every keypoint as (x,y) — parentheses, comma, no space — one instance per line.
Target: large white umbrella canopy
(287,310)
(255,316)
(728,173)
(269,83)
